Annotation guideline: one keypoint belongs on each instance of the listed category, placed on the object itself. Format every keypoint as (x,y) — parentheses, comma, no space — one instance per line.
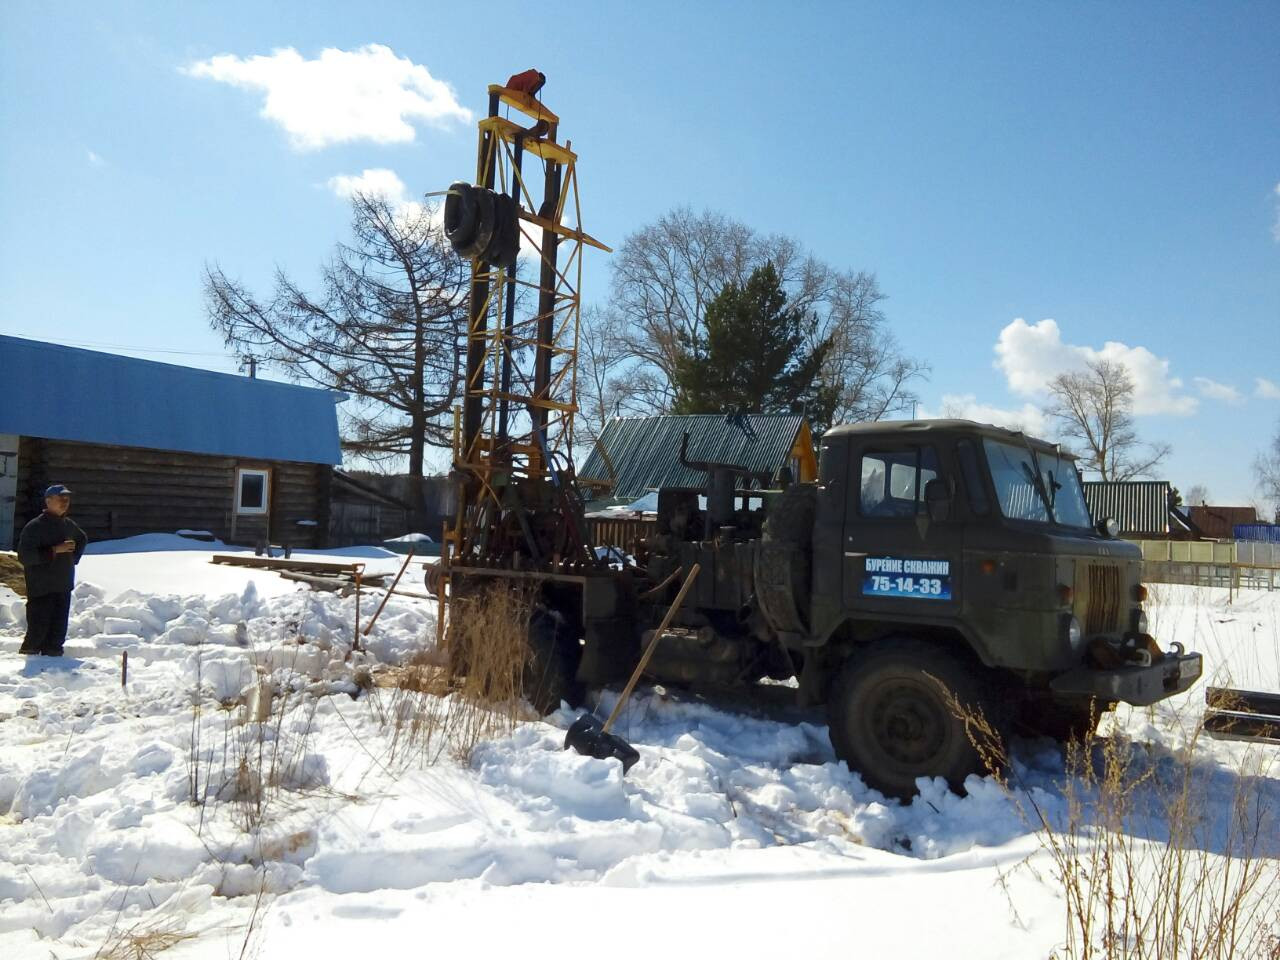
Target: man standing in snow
(49,548)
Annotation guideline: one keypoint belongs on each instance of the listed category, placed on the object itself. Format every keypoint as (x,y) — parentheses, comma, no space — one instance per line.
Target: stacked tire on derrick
(482,225)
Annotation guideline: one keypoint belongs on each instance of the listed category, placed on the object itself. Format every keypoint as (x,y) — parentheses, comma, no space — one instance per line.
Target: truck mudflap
(1138,685)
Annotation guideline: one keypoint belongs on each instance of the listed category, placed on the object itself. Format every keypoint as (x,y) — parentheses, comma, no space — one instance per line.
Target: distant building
(1257,532)
(1219,523)
(635,455)
(1144,509)
(153,447)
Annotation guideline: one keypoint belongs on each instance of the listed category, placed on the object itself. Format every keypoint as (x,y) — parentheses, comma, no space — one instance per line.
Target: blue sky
(1112,168)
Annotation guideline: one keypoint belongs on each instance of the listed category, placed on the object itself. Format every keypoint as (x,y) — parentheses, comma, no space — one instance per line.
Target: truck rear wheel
(550,674)
(891,719)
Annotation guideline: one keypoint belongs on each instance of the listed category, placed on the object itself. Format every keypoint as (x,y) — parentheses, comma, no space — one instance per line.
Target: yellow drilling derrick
(520,225)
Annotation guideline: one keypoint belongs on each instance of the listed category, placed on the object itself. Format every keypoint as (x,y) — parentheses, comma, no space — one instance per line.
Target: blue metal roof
(66,393)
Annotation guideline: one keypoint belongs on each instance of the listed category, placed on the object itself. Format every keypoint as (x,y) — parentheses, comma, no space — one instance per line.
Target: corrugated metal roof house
(638,454)
(1144,509)
(149,446)
(1219,523)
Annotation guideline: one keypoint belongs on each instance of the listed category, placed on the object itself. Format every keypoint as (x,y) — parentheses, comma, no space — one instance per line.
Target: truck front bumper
(1137,685)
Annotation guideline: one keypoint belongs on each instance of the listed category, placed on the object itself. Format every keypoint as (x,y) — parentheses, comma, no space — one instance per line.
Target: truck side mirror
(937,499)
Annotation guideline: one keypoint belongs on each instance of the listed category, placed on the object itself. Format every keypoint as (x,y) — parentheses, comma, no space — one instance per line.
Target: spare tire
(783,559)
(791,515)
(482,225)
(482,233)
(504,245)
(460,214)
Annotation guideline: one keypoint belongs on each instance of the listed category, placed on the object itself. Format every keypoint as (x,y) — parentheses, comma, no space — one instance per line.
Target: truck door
(897,560)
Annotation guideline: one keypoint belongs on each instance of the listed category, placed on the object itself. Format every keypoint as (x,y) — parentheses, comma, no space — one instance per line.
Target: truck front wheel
(893,717)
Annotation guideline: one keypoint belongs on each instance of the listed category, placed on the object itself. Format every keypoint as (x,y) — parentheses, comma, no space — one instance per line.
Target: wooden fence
(621,532)
(1233,564)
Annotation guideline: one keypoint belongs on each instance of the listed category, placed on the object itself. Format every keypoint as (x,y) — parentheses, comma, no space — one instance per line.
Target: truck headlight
(1074,633)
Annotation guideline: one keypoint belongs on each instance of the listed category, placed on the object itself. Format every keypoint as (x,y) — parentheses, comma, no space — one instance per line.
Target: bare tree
(386,328)
(1197,495)
(1267,469)
(1093,409)
(605,385)
(666,274)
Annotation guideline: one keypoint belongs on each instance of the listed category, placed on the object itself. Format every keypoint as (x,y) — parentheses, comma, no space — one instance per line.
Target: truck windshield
(1057,498)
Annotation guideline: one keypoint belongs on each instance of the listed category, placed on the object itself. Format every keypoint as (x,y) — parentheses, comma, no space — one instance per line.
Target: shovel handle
(390,590)
(653,645)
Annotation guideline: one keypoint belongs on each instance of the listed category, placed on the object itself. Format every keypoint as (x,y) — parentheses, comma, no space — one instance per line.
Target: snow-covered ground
(162,563)
(736,835)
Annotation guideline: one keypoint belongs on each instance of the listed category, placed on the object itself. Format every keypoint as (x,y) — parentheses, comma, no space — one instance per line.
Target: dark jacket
(48,572)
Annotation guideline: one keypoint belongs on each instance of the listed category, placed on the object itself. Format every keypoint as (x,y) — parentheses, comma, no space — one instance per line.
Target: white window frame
(265,474)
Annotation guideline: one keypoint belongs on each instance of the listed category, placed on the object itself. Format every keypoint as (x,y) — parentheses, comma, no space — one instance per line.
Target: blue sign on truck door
(918,578)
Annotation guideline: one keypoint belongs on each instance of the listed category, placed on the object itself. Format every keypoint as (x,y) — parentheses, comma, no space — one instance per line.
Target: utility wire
(121,346)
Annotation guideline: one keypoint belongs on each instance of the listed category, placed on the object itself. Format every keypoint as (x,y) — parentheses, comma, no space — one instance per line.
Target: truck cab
(934,565)
(972,528)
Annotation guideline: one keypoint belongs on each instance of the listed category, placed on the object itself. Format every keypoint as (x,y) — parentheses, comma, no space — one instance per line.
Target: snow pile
(158,626)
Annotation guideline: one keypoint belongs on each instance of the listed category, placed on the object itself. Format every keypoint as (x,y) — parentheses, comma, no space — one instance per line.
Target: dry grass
(1151,859)
(1149,871)
(265,759)
(142,941)
(262,756)
(11,574)
(444,703)
(258,769)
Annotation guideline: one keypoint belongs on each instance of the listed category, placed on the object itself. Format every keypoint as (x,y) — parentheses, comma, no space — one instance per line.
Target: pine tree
(756,356)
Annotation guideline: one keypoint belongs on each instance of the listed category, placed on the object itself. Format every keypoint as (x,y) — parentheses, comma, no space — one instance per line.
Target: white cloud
(377,181)
(965,406)
(1266,389)
(94,159)
(340,96)
(1031,355)
(1218,391)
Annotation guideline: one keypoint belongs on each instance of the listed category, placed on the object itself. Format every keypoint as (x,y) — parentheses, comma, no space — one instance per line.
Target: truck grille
(1102,601)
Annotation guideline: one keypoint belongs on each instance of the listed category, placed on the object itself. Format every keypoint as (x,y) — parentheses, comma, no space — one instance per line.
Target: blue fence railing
(1257,532)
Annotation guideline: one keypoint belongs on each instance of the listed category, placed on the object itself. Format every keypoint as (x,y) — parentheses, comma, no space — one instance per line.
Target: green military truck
(931,560)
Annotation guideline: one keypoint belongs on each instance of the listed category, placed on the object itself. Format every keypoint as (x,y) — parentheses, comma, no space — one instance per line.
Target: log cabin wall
(126,491)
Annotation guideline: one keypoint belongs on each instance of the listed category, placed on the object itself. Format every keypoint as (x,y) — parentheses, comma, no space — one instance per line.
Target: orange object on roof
(530,82)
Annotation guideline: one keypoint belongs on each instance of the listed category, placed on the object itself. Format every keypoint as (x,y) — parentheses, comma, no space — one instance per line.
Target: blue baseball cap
(57,490)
